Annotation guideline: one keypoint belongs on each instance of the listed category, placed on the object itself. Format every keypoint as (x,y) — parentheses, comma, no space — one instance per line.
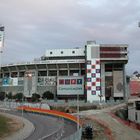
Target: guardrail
(57,135)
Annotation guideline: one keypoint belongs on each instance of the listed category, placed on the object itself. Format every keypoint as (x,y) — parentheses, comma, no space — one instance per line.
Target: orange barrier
(50,112)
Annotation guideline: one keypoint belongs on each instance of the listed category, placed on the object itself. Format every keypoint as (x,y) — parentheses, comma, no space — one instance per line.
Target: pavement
(119,131)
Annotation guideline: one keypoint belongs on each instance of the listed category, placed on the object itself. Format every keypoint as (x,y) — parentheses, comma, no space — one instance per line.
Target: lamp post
(0,62)
(1,47)
(77,111)
(1,44)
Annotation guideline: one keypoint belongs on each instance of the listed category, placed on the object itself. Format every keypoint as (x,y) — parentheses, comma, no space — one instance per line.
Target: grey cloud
(33,26)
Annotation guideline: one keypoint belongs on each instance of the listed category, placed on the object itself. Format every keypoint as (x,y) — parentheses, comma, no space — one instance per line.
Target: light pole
(77,111)
(1,44)
(1,47)
(0,62)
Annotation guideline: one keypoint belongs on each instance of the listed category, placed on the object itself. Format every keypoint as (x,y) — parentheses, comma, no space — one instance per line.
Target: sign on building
(70,85)
(47,81)
(10,82)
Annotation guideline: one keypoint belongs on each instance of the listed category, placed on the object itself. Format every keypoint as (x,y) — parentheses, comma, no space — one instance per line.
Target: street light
(1,47)
(1,44)
(77,111)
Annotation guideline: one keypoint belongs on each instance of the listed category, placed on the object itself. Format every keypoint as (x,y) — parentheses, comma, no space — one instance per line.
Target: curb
(24,132)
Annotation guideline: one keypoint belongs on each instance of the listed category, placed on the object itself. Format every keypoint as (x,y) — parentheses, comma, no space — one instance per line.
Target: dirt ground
(98,130)
(13,126)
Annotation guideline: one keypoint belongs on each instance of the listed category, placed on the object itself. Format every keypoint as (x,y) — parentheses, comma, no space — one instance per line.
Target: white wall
(66,52)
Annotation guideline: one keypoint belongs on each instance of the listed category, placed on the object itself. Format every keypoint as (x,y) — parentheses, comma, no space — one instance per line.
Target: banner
(118,84)
(72,85)
(10,81)
(47,81)
(1,36)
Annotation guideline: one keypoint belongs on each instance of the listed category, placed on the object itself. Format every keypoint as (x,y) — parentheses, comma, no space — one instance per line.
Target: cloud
(33,26)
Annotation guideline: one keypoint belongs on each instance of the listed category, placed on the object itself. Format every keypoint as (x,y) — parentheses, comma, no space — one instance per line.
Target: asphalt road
(48,126)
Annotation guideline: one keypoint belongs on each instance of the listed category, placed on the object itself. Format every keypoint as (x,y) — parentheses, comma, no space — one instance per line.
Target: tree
(49,95)
(19,96)
(2,96)
(135,72)
(9,95)
(35,97)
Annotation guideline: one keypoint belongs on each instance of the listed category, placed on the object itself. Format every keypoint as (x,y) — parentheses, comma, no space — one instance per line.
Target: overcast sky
(32,26)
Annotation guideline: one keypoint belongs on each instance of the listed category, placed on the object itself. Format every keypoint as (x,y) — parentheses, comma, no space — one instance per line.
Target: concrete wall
(65,52)
(133,114)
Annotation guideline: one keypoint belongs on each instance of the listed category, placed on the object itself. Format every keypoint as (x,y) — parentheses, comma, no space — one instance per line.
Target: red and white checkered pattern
(93,77)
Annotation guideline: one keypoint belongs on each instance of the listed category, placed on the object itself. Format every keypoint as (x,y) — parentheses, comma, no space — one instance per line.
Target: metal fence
(76,136)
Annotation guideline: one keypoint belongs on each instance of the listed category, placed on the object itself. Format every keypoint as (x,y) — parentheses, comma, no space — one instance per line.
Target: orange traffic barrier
(50,112)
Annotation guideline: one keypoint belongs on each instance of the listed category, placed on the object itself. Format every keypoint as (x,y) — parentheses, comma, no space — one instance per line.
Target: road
(47,125)
(119,130)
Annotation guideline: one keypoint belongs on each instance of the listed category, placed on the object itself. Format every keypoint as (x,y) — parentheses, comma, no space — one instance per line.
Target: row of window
(73,52)
(44,73)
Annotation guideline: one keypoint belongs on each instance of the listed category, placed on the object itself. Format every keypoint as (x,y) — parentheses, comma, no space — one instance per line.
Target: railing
(57,135)
(76,136)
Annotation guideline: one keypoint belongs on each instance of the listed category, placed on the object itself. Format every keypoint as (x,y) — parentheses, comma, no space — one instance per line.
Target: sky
(33,26)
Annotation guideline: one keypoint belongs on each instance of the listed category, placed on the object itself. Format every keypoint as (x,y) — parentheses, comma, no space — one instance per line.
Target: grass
(73,108)
(3,125)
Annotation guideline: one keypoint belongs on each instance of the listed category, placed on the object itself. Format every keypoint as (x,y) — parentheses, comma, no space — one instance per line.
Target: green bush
(48,95)
(9,95)
(18,97)
(35,97)
(2,96)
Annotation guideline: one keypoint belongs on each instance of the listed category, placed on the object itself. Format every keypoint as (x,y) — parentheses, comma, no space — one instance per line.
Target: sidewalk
(119,130)
(24,132)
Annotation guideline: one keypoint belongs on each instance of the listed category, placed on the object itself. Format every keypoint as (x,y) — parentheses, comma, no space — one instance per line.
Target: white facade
(65,52)
(93,74)
(133,113)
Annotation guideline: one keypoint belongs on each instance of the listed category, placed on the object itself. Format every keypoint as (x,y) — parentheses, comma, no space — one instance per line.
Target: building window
(73,51)
(61,52)
(50,52)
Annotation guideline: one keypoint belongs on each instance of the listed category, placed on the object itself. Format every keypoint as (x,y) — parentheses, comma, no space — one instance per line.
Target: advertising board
(72,85)
(10,81)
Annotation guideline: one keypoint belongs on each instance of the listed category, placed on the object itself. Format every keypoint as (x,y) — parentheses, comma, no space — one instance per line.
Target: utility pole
(1,47)
(1,44)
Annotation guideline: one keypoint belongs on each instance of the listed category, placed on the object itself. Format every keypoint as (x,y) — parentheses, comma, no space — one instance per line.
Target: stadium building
(95,72)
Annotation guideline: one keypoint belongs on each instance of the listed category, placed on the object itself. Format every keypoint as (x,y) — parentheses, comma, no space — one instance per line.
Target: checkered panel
(93,77)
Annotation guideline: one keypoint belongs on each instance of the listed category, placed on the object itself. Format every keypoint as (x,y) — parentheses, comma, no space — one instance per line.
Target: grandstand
(95,72)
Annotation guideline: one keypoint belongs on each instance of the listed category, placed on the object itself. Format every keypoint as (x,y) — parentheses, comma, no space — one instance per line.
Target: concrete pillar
(68,69)
(124,84)
(103,80)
